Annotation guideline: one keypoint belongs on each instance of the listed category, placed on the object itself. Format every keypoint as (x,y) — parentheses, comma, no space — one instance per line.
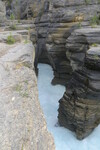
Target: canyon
(22,122)
(64,34)
(68,38)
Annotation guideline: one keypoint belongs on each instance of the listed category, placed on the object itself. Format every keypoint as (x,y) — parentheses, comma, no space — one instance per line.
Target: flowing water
(49,96)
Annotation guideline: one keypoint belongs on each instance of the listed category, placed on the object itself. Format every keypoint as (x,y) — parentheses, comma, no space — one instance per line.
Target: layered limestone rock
(55,23)
(79,108)
(79,42)
(65,34)
(24,9)
(22,123)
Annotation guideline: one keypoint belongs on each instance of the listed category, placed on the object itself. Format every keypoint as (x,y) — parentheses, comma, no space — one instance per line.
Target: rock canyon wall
(24,9)
(68,38)
(22,122)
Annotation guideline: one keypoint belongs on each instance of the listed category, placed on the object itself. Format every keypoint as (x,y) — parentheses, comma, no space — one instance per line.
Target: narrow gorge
(50,74)
(68,38)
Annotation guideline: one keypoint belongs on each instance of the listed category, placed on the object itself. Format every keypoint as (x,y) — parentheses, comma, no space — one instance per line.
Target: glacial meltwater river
(49,96)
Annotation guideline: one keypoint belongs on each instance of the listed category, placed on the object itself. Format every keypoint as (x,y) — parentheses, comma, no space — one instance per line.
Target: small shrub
(98,1)
(25,94)
(10,39)
(96,57)
(95,20)
(87,2)
(79,25)
(16,2)
(13,27)
(12,17)
(18,20)
(18,88)
(26,41)
(94,45)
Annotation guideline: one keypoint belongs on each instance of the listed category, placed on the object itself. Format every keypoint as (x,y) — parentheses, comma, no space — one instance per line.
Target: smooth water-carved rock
(54,26)
(79,108)
(22,122)
(93,58)
(65,33)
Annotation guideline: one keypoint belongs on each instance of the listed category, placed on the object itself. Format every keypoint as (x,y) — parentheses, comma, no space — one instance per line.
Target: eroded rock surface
(24,9)
(55,23)
(66,30)
(22,123)
(80,105)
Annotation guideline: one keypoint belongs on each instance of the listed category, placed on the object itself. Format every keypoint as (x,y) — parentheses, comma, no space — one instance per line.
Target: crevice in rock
(68,40)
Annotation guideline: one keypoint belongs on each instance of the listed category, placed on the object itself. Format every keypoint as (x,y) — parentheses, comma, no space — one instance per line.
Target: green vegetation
(18,20)
(13,27)
(26,41)
(22,147)
(87,2)
(18,88)
(98,1)
(29,29)
(96,57)
(10,39)
(26,81)
(40,13)
(12,17)
(25,94)
(95,20)
(9,2)
(94,45)
(16,2)
(79,24)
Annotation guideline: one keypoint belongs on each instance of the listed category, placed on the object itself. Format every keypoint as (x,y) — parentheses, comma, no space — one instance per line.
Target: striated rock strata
(54,24)
(24,9)
(79,108)
(66,39)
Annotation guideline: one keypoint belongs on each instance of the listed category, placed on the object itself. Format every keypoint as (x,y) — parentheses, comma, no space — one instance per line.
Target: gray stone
(23,9)
(22,122)
(2,11)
